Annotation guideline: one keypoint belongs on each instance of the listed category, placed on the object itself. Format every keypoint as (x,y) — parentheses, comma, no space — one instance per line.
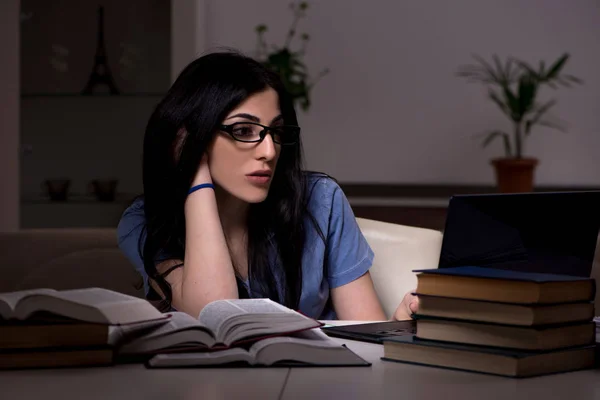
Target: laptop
(549,232)
(546,232)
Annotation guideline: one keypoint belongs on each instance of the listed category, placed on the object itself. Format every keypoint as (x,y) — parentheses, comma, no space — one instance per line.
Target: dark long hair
(197,102)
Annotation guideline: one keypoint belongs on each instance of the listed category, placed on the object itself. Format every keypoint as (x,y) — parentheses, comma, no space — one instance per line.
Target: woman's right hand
(203,173)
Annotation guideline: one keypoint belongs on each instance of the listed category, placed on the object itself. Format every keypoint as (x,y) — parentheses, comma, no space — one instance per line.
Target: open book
(311,347)
(47,318)
(95,305)
(221,324)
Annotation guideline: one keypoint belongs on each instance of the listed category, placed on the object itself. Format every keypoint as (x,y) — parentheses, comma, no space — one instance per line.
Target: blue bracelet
(201,186)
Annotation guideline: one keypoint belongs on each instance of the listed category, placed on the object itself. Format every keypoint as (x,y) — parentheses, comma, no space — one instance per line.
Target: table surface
(384,379)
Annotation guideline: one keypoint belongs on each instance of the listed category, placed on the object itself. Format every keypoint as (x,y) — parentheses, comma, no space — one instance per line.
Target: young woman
(229,212)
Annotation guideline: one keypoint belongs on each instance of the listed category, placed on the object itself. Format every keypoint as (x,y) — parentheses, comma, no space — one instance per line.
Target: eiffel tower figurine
(101,74)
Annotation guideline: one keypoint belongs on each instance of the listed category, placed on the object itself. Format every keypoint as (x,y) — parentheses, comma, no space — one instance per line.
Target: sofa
(66,259)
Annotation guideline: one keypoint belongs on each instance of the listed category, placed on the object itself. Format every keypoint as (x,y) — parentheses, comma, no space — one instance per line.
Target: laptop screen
(551,232)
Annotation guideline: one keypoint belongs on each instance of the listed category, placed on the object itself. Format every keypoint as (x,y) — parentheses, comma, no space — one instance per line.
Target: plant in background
(514,87)
(288,63)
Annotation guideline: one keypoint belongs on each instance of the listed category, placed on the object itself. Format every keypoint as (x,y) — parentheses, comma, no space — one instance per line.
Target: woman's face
(245,170)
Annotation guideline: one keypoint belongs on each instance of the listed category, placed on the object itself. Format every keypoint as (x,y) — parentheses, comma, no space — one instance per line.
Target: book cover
(495,273)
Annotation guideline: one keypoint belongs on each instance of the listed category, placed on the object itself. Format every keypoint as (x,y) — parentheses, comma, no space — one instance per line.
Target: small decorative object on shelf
(288,63)
(104,189)
(57,189)
(101,74)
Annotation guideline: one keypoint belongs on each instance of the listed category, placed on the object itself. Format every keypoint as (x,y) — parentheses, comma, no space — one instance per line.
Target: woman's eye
(243,131)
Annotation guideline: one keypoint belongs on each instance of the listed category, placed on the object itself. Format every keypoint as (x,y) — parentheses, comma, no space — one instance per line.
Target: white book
(308,348)
(48,318)
(221,324)
(94,305)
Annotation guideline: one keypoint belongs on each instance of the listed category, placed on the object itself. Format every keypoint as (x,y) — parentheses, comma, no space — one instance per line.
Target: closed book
(548,337)
(56,357)
(504,286)
(510,363)
(55,332)
(505,313)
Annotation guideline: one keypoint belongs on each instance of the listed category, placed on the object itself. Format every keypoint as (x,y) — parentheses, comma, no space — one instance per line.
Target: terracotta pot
(515,175)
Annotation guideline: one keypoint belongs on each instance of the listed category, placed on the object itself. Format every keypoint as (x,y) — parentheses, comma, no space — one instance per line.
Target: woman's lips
(259,179)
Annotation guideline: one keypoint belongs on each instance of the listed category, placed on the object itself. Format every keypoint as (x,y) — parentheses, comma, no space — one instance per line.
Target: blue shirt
(343,257)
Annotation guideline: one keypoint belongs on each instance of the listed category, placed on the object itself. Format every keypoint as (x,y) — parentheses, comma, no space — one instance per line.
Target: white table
(382,380)
(391,380)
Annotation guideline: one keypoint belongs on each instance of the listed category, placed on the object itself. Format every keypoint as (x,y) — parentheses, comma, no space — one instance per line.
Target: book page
(121,334)
(92,305)
(312,338)
(178,322)
(200,358)
(305,348)
(96,296)
(11,299)
(215,314)
(261,306)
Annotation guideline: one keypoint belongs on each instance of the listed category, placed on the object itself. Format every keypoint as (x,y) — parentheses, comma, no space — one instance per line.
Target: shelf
(78,199)
(79,95)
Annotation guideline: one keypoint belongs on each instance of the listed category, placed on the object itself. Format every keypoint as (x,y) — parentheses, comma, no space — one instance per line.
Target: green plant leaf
(527,92)
(473,74)
(553,125)
(513,104)
(542,109)
(491,136)
(532,72)
(500,72)
(556,67)
(488,69)
(511,71)
(572,78)
(538,113)
(501,104)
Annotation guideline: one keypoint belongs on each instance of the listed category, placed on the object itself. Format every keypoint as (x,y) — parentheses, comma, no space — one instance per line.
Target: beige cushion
(596,275)
(399,249)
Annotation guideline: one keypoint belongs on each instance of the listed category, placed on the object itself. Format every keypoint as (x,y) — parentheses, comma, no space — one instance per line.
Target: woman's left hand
(409,305)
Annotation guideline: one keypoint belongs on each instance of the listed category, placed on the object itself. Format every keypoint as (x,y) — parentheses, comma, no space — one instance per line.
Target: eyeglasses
(253,132)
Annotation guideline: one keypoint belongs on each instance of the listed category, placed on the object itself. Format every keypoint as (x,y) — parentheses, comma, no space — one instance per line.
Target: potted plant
(514,87)
(288,63)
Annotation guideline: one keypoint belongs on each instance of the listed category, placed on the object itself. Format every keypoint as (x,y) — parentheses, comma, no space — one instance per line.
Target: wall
(9,115)
(188,33)
(391,110)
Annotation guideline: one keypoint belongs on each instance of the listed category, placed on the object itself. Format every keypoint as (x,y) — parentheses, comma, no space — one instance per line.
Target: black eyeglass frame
(229,129)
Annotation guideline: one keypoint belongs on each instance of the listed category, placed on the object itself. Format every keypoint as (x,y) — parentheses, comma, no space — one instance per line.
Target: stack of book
(500,322)
(49,328)
(46,328)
